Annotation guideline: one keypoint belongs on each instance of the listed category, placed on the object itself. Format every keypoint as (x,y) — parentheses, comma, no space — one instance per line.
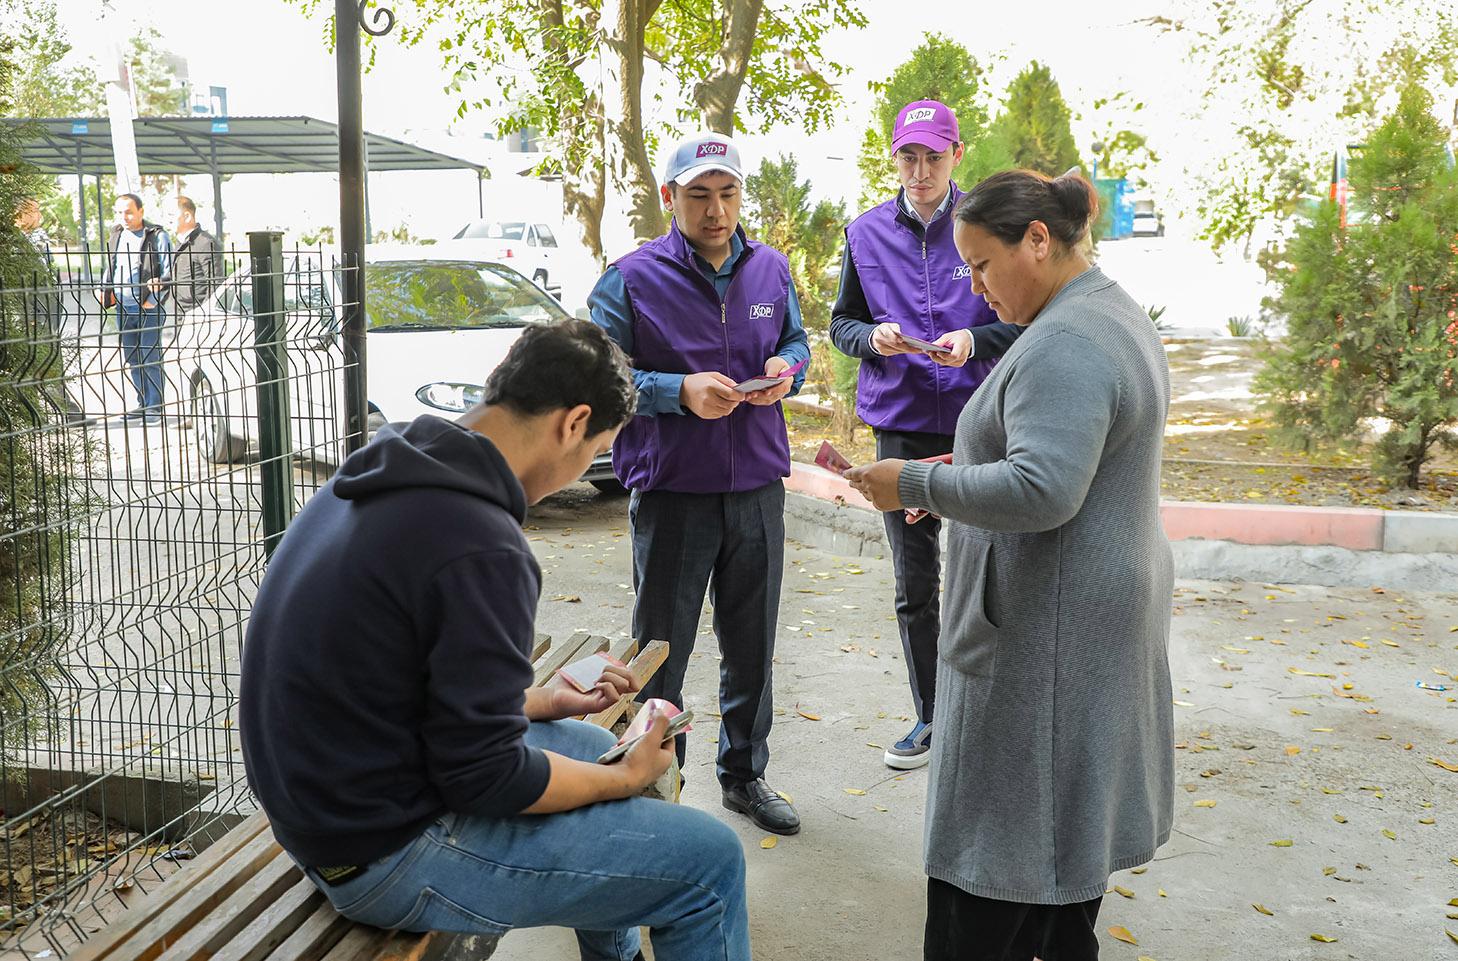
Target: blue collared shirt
(910,210)
(658,391)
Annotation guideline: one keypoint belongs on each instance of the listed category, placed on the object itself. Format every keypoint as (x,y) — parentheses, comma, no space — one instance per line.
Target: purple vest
(681,326)
(927,289)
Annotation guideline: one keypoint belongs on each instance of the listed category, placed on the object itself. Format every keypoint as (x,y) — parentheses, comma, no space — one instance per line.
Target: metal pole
(217,191)
(100,219)
(85,229)
(347,22)
(369,226)
(480,197)
(271,364)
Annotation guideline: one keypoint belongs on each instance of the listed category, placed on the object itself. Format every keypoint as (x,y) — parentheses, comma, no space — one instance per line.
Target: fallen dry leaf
(1207,803)
(1121,933)
(807,715)
(1282,843)
(1264,910)
(1161,893)
(1323,939)
(1451,935)
(1339,819)
(855,791)
(1389,835)
(1299,672)
(1123,892)
(1443,764)
(769,842)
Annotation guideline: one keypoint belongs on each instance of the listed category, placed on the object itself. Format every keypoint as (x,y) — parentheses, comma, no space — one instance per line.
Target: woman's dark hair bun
(1076,196)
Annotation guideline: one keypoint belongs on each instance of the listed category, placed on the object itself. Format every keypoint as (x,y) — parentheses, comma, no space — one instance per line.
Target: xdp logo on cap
(761,311)
(711,149)
(920,115)
(962,272)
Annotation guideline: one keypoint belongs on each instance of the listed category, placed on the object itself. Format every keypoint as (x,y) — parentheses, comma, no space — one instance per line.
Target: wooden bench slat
(211,934)
(576,647)
(644,666)
(539,647)
(275,924)
(203,872)
(359,944)
(313,939)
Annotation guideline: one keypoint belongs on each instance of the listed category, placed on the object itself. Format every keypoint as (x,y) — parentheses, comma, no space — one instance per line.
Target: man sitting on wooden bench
(389,724)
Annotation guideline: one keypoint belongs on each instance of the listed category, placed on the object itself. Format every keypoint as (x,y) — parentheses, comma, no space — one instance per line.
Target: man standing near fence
(901,274)
(138,266)
(197,264)
(699,310)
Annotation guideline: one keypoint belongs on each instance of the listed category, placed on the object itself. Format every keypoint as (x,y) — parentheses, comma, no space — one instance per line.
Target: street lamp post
(349,19)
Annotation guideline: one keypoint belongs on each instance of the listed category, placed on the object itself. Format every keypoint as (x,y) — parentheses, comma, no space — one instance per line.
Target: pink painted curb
(1358,529)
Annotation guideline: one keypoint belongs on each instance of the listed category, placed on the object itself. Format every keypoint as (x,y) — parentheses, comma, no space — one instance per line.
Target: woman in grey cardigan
(1053,761)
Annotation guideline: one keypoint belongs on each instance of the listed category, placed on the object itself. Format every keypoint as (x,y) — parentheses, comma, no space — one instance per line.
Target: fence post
(275,449)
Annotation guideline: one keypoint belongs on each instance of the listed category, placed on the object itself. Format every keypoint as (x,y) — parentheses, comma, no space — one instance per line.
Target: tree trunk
(717,95)
(580,126)
(582,182)
(634,214)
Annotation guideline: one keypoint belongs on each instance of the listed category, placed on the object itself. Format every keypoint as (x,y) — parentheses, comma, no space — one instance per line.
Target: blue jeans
(603,870)
(141,340)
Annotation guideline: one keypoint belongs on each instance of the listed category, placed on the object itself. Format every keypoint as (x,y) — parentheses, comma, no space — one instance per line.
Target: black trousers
(916,556)
(964,927)
(733,546)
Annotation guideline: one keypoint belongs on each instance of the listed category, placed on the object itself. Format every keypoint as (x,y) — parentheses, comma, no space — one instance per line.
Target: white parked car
(528,248)
(436,326)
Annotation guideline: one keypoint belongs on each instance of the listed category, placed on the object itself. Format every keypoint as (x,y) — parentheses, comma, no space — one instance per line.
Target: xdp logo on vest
(761,311)
(711,149)
(920,115)
(962,272)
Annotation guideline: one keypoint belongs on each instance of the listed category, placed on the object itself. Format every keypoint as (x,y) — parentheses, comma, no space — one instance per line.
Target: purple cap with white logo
(700,154)
(925,122)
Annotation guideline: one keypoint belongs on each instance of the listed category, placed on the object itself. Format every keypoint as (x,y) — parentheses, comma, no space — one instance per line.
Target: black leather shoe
(763,806)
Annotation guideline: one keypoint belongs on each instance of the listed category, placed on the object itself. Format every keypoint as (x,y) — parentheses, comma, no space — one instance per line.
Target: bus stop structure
(216,146)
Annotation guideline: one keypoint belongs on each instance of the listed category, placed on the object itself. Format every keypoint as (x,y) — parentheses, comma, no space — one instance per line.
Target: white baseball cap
(700,154)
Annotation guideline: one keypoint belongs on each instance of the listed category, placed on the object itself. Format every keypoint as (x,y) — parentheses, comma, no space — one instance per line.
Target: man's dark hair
(186,204)
(558,366)
(136,201)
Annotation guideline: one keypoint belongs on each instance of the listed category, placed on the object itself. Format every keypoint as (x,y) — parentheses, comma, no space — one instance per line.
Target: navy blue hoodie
(388,653)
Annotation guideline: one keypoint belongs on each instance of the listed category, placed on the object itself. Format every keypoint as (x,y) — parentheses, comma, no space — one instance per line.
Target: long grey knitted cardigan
(1052,759)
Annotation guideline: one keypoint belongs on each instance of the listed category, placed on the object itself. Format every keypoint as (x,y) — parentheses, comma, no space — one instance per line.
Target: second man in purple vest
(697,311)
(902,275)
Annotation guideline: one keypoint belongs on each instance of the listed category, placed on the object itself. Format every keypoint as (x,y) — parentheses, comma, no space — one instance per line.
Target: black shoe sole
(743,809)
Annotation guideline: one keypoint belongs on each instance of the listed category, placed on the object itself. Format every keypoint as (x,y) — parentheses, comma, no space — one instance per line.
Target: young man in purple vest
(699,310)
(901,274)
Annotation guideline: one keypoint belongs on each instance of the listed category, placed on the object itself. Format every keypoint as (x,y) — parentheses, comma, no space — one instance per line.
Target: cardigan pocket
(968,640)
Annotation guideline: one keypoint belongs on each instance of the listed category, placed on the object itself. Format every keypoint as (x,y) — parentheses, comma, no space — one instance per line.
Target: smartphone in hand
(676,726)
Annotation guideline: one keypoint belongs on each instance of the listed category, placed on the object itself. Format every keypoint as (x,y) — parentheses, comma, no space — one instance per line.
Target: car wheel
(610,486)
(209,413)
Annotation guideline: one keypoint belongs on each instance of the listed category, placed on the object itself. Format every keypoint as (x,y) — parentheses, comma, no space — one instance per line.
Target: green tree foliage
(575,70)
(1035,123)
(36,459)
(779,211)
(943,70)
(1372,309)
(1276,85)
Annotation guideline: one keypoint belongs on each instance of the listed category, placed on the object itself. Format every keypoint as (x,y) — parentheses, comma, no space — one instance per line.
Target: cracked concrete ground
(1298,714)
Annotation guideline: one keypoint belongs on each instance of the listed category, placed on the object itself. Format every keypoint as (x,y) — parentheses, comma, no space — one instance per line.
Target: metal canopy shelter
(217,146)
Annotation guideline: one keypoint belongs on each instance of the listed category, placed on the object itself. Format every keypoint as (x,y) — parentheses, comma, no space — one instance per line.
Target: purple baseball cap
(926,122)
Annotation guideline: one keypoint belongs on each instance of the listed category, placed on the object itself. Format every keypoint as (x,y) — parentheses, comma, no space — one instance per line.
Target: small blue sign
(220,125)
(80,128)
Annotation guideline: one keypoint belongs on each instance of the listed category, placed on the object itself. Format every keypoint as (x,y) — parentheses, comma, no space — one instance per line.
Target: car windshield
(495,230)
(452,295)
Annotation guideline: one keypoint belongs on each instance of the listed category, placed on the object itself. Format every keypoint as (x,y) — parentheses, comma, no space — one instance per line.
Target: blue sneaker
(912,751)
